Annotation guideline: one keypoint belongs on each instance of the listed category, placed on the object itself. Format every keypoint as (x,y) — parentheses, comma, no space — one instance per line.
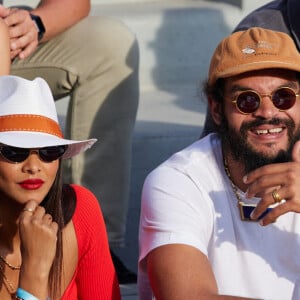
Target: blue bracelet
(24,295)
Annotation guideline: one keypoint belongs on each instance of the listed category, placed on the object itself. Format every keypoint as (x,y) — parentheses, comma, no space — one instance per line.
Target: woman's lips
(31,184)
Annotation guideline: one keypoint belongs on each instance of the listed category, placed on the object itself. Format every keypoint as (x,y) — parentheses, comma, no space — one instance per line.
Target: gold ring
(276,196)
(28,209)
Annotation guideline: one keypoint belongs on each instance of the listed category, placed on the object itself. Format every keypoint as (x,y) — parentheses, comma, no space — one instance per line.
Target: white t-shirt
(189,200)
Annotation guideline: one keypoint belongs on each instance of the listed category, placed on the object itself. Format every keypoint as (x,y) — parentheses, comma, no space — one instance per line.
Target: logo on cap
(248,50)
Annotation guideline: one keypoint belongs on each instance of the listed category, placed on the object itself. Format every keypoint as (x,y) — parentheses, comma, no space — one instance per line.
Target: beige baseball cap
(253,49)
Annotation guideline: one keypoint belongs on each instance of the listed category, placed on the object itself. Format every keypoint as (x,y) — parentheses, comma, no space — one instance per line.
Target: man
(95,61)
(279,15)
(220,219)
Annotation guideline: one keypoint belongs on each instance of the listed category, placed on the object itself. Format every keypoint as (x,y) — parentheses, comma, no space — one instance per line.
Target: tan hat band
(34,123)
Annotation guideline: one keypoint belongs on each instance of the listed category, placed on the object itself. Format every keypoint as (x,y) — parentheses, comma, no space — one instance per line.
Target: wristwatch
(39,25)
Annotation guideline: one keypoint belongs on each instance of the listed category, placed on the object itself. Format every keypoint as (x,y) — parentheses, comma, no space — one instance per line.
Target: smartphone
(246,210)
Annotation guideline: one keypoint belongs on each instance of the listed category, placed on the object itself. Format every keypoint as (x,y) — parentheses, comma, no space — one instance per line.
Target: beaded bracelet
(24,295)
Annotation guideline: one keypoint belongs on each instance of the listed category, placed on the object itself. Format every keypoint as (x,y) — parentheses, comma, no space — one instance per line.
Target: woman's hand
(38,234)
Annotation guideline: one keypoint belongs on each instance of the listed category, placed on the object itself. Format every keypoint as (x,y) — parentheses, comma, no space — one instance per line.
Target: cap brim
(40,140)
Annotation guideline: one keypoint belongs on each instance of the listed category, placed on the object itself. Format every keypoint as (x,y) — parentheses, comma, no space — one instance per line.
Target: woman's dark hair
(60,203)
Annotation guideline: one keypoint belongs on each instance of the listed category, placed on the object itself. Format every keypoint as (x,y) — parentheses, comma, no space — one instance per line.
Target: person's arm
(57,16)
(176,228)
(178,271)
(4,49)
(96,276)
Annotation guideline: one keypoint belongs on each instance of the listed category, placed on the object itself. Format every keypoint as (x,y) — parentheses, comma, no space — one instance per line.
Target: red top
(95,277)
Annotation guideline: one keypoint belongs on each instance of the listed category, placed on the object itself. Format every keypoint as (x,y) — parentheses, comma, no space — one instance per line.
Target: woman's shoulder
(87,220)
(87,214)
(79,189)
(82,191)
(86,201)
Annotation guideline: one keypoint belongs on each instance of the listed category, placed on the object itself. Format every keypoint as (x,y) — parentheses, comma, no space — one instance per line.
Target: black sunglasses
(17,155)
(249,101)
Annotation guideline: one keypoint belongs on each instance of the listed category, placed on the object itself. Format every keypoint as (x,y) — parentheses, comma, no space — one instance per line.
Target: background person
(94,60)
(216,217)
(278,15)
(53,240)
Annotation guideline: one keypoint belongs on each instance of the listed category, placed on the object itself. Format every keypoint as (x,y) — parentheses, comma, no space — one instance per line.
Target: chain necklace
(8,284)
(234,187)
(12,267)
(245,209)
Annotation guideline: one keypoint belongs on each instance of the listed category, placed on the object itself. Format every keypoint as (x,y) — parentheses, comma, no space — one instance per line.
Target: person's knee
(105,37)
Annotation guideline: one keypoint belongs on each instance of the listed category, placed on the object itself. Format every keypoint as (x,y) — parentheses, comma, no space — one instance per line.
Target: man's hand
(282,177)
(22,31)
(296,152)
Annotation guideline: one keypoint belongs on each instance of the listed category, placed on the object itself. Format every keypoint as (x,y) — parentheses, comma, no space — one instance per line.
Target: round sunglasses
(249,101)
(46,154)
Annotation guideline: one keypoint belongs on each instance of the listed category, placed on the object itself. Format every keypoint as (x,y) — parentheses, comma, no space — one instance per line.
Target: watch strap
(39,25)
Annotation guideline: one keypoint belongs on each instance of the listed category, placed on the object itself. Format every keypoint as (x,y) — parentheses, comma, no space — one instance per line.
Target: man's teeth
(266,131)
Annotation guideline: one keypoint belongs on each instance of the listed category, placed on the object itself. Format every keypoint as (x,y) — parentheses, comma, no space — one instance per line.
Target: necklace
(8,284)
(245,209)
(9,265)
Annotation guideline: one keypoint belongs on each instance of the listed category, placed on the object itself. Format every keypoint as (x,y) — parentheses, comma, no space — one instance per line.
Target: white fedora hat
(28,117)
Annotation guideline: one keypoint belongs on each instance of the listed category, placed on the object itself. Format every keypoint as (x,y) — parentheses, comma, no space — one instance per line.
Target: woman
(53,240)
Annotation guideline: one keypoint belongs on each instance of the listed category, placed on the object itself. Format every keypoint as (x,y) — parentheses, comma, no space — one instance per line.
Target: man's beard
(242,151)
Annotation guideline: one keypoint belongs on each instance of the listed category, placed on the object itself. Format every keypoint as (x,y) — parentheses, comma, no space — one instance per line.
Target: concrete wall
(244,4)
